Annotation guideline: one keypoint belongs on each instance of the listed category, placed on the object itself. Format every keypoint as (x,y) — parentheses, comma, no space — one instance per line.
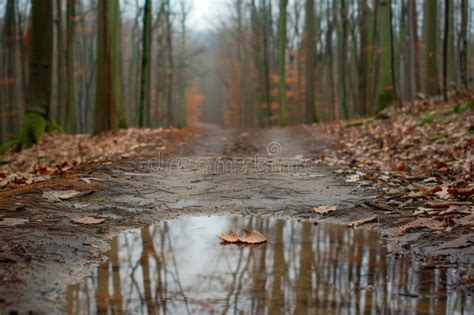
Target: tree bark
(431,51)
(146,72)
(463,44)
(310,112)
(38,98)
(108,82)
(445,50)
(282,62)
(386,84)
(71,125)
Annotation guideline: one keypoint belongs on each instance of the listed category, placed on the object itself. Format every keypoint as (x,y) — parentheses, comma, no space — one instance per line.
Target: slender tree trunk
(386,84)
(416,47)
(282,62)
(431,51)
(11,77)
(183,67)
(267,57)
(145,73)
(71,83)
(445,49)
(413,49)
(332,82)
(366,27)
(38,98)
(463,44)
(310,46)
(393,71)
(170,65)
(453,75)
(60,104)
(342,35)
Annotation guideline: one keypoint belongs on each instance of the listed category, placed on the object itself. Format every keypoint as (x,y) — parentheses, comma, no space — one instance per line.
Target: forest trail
(215,171)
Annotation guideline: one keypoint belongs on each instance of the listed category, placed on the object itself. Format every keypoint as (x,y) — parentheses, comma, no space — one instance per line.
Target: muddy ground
(213,171)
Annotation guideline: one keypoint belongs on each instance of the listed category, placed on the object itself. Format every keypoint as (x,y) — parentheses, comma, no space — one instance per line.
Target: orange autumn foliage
(194,101)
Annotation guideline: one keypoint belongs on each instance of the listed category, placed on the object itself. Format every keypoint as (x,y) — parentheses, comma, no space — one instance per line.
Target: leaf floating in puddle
(253,237)
(229,237)
(324,209)
(88,220)
(364,220)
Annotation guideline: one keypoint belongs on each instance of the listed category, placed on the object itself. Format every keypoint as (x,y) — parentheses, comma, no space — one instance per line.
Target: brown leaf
(88,220)
(461,191)
(324,209)
(420,223)
(12,221)
(467,220)
(229,237)
(253,237)
(363,220)
(446,204)
(462,241)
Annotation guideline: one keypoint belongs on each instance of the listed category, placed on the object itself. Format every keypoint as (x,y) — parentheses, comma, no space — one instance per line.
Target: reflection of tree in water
(303,269)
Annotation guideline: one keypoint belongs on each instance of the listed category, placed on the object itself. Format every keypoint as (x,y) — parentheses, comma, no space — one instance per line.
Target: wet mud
(259,173)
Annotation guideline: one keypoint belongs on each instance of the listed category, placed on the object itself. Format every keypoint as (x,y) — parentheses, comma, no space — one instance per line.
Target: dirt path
(215,171)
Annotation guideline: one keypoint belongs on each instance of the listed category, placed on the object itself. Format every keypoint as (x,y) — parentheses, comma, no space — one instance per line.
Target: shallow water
(180,267)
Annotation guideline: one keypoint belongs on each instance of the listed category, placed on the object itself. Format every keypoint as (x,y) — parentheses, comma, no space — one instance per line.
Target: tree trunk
(170,65)
(445,49)
(342,36)
(310,45)
(145,73)
(71,125)
(385,89)
(108,82)
(366,34)
(463,44)
(282,62)
(11,77)
(413,49)
(431,51)
(183,67)
(393,71)
(38,98)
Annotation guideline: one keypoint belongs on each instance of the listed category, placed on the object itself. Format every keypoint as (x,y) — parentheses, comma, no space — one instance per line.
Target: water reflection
(178,267)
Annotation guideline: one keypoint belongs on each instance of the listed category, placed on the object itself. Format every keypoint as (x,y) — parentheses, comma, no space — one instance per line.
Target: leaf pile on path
(421,157)
(57,153)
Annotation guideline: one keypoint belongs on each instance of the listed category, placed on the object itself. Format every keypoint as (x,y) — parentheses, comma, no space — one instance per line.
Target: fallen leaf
(467,220)
(253,237)
(353,178)
(420,223)
(80,205)
(229,237)
(363,220)
(12,221)
(446,204)
(462,241)
(461,191)
(324,209)
(64,194)
(67,194)
(88,220)
(88,180)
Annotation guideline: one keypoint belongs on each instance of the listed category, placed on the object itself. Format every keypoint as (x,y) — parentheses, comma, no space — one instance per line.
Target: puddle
(179,267)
